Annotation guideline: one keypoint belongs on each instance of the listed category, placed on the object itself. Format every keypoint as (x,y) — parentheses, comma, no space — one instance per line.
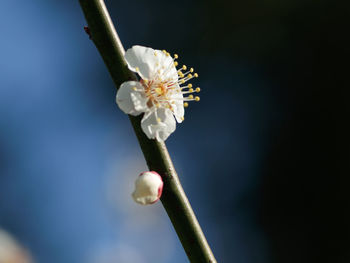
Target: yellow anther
(185,104)
(190,90)
(184,67)
(190,97)
(137,69)
(191,69)
(176,56)
(190,85)
(195,75)
(164,51)
(182,118)
(198,89)
(175,63)
(181,80)
(181,75)
(155,54)
(190,75)
(134,88)
(197,98)
(159,120)
(145,80)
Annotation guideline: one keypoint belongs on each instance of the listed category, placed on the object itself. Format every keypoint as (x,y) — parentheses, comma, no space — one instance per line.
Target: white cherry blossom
(148,188)
(161,94)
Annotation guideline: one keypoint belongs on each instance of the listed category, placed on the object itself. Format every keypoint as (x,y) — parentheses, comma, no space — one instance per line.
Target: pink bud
(148,188)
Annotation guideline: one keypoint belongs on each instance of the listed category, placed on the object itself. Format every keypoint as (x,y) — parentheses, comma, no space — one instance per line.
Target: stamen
(158,91)
(186,92)
(163,89)
(184,78)
(186,87)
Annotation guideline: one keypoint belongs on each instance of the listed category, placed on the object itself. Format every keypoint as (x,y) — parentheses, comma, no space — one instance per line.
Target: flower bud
(11,250)
(148,188)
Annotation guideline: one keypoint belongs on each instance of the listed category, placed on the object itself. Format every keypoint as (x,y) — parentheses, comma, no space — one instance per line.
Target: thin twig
(175,202)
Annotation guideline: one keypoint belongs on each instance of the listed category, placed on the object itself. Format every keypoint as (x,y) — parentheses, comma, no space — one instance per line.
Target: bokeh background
(264,156)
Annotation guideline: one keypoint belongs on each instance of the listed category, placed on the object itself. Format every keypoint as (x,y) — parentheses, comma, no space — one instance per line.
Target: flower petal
(158,124)
(142,60)
(131,98)
(148,188)
(149,63)
(166,68)
(179,111)
(178,105)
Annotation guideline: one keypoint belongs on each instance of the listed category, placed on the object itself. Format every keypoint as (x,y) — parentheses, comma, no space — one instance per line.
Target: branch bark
(174,200)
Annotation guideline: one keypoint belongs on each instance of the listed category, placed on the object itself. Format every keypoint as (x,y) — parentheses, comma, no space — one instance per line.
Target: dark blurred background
(264,156)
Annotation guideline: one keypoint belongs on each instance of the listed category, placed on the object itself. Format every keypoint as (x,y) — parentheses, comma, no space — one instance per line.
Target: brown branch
(175,202)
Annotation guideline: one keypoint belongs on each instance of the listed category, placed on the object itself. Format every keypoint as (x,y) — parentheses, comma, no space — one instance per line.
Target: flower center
(166,89)
(161,89)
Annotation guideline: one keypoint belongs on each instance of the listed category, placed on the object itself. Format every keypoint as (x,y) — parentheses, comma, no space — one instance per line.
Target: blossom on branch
(161,94)
(148,188)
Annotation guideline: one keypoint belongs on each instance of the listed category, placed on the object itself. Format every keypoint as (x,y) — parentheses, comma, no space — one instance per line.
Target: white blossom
(161,92)
(148,188)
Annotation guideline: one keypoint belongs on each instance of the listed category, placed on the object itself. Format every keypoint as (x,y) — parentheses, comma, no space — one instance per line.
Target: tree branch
(175,202)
